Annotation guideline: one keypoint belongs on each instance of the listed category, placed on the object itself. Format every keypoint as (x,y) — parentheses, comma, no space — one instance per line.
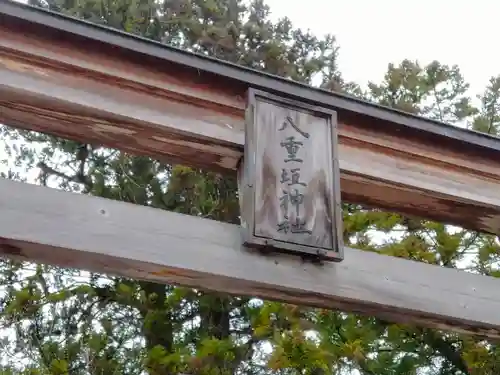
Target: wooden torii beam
(85,82)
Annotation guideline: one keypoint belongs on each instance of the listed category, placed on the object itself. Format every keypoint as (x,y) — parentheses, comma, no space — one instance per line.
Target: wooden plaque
(290,178)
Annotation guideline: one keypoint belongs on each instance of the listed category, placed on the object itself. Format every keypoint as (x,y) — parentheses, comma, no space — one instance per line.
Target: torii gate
(85,82)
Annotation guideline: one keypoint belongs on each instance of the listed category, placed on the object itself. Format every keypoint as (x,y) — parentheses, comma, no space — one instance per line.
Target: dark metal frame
(247,186)
(66,27)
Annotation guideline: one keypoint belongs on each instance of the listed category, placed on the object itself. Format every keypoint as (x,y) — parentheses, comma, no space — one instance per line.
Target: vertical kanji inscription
(292,195)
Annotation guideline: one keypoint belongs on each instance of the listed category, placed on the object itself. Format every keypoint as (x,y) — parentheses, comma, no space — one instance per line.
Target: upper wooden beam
(80,81)
(73,230)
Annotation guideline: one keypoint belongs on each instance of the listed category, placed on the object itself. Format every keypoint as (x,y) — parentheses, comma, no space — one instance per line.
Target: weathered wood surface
(74,230)
(80,90)
(101,106)
(291,177)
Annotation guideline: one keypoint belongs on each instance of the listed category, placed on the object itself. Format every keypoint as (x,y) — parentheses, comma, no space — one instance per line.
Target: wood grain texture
(99,112)
(54,86)
(292,176)
(73,230)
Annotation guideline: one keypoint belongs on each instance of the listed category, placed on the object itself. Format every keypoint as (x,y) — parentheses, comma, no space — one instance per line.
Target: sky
(372,34)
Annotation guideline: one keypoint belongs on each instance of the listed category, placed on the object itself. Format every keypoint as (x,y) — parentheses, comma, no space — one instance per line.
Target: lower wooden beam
(72,230)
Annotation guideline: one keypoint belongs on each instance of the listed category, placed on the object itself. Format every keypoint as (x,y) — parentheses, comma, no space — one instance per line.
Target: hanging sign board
(290,178)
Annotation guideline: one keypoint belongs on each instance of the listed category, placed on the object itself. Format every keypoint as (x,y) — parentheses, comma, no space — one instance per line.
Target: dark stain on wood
(173,147)
(8,249)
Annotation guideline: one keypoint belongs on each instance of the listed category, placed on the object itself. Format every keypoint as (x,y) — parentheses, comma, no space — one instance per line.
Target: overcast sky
(373,33)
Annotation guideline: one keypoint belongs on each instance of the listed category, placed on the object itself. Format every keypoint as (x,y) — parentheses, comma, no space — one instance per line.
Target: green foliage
(63,321)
